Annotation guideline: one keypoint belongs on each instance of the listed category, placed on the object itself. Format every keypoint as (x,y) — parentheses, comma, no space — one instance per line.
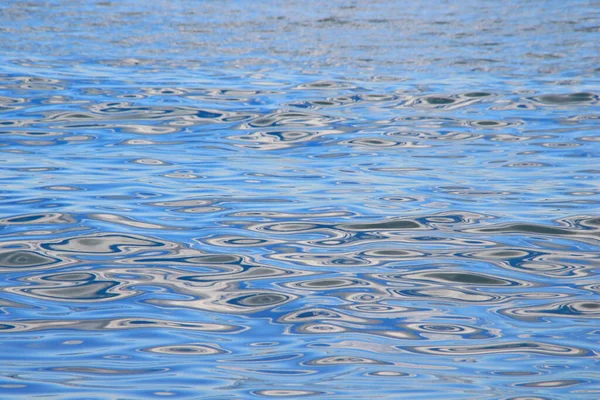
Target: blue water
(330,200)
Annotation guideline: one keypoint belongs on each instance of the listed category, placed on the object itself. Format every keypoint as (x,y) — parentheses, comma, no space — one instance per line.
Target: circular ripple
(187,350)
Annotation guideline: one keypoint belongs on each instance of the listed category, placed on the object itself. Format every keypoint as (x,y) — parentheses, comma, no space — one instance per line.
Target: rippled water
(347,200)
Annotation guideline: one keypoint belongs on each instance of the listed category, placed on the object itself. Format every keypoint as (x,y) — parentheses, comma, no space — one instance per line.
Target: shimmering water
(337,200)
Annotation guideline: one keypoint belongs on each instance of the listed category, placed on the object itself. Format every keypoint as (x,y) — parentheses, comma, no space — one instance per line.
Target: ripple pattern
(333,201)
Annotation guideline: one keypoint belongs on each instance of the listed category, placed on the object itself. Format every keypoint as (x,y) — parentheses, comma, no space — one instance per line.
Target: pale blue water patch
(226,200)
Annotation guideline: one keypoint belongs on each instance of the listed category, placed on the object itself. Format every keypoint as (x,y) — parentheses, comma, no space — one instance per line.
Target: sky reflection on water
(233,199)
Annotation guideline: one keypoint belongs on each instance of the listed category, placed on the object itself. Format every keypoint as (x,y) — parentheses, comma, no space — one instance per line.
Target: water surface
(232,200)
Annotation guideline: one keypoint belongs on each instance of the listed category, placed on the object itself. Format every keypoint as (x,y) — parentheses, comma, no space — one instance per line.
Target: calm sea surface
(331,200)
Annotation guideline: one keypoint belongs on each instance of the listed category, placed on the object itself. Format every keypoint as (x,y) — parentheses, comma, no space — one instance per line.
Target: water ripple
(332,201)
(512,347)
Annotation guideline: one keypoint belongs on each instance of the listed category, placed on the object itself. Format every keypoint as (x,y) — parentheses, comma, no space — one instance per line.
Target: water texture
(330,200)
